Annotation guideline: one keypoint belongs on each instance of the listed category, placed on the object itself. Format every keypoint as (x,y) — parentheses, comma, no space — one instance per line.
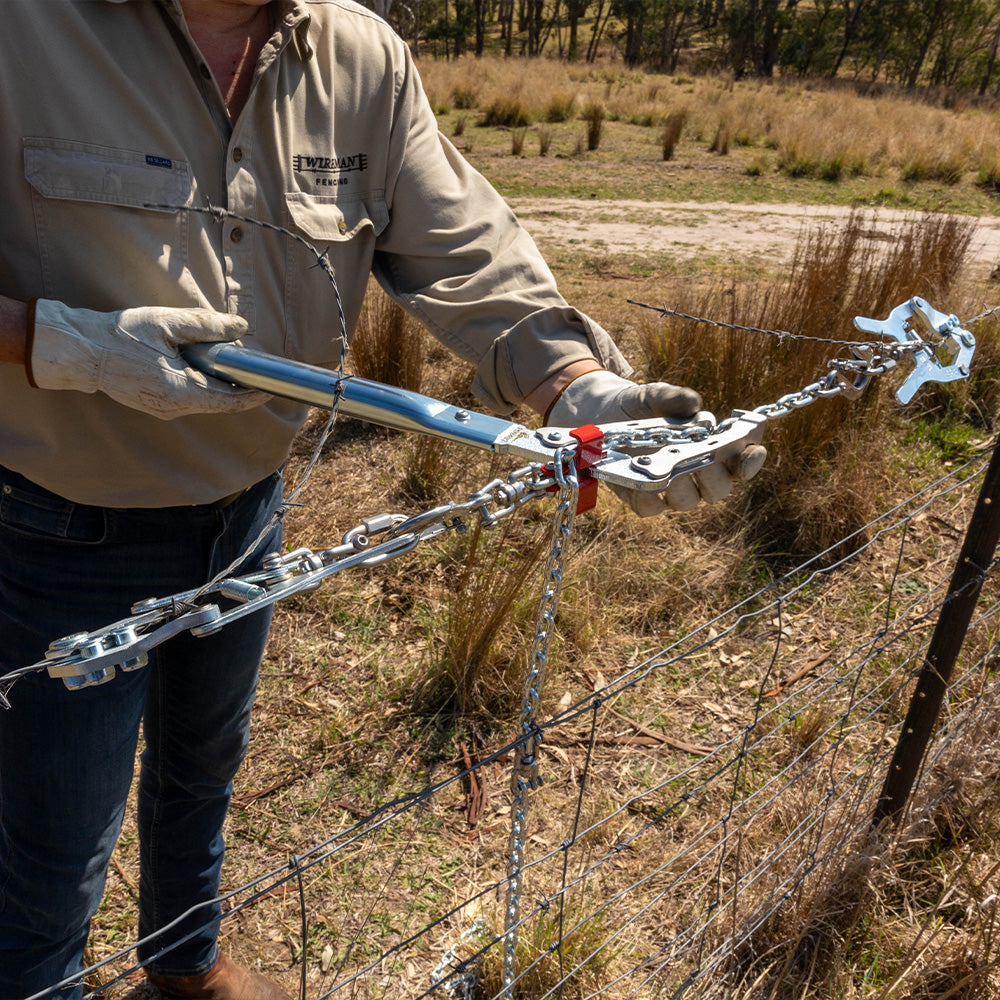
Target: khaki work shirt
(113,122)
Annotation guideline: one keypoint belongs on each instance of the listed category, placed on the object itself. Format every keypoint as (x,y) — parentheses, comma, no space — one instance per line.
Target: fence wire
(686,886)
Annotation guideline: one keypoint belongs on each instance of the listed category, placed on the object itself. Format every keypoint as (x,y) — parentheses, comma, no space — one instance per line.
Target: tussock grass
(465,96)
(829,142)
(560,106)
(544,140)
(510,112)
(470,672)
(548,957)
(720,141)
(988,170)
(593,115)
(829,133)
(672,128)
(826,470)
(430,470)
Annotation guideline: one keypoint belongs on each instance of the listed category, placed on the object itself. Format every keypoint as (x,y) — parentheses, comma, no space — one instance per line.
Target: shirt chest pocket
(345,231)
(108,222)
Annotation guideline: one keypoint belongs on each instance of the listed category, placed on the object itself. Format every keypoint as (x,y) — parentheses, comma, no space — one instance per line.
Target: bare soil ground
(761,232)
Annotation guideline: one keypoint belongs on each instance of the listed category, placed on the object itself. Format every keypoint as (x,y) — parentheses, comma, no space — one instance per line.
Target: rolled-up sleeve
(455,256)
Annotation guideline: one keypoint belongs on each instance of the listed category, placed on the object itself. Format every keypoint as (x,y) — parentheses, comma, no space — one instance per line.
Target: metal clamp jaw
(940,348)
(85,659)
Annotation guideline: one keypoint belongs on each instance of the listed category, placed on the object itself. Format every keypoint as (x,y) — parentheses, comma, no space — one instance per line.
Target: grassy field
(747,142)
(390,679)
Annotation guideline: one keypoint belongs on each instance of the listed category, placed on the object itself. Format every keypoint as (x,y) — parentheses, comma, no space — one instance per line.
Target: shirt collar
(292,14)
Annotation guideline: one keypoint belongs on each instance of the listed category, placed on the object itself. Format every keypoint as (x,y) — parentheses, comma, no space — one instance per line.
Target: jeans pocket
(33,512)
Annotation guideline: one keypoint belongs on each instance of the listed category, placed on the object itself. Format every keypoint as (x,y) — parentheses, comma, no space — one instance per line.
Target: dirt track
(767,232)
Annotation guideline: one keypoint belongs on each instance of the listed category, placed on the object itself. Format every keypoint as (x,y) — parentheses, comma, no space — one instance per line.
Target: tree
(991,60)
(534,20)
(924,29)
(598,29)
(853,10)
(506,19)
(810,43)
(481,8)
(453,27)
(676,18)
(633,13)
(751,31)
(575,11)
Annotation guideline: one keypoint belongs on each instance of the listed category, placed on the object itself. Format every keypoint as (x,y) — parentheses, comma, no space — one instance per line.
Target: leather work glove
(601,397)
(134,357)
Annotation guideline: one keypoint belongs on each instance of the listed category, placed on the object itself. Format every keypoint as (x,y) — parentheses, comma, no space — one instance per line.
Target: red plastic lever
(591,450)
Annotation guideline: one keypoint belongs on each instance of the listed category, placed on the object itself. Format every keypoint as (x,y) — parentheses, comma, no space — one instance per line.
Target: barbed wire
(676,313)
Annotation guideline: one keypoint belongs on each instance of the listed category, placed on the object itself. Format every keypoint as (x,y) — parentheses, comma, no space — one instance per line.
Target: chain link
(847,376)
(525,774)
(86,659)
(451,974)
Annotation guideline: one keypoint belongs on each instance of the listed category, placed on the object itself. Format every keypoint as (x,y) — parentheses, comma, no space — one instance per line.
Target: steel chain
(451,974)
(525,774)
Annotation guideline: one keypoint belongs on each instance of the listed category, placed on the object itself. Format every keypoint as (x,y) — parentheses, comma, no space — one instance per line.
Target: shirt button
(237,155)
(342,226)
(236,235)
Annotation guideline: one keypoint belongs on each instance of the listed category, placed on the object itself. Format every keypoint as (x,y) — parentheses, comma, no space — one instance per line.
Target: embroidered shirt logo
(323,167)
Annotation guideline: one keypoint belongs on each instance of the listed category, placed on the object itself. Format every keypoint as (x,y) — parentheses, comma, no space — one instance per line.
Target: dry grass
(909,915)
(672,128)
(388,345)
(891,147)
(593,115)
(471,670)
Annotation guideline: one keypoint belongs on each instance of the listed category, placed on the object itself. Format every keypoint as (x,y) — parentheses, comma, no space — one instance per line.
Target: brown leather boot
(224,981)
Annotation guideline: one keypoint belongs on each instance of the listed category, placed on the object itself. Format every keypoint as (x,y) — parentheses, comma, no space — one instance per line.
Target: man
(125,474)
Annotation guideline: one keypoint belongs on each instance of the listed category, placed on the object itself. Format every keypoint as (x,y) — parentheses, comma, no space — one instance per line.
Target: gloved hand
(134,357)
(601,397)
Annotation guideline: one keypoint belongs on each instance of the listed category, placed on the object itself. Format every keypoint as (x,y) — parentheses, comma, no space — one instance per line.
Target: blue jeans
(67,757)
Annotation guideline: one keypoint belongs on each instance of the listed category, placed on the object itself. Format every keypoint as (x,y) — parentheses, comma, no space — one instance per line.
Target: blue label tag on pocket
(159,161)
